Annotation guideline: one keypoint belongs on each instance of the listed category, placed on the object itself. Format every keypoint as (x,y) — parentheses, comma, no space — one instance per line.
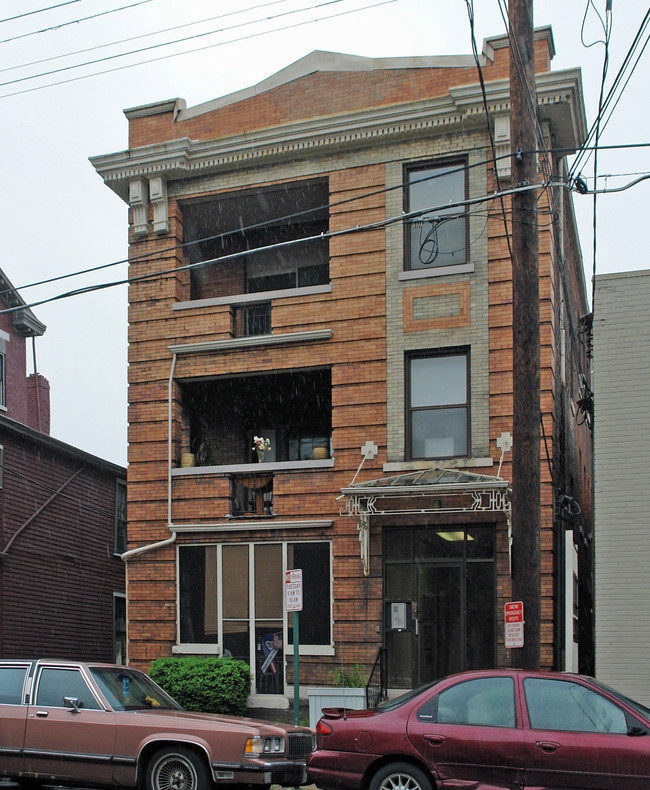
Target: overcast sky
(58,217)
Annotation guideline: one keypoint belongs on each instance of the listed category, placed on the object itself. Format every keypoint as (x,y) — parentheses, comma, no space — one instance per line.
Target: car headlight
(260,745)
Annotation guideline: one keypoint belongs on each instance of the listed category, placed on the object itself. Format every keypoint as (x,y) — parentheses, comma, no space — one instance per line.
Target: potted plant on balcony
(261,446)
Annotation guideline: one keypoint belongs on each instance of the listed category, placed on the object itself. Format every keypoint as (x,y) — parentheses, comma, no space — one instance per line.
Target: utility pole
(526,520)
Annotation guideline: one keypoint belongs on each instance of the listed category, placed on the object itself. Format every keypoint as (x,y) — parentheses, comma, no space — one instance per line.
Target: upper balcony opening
(265,219)
(293,410)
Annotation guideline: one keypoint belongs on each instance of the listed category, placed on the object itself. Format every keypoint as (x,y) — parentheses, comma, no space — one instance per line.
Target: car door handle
(42,713)
(435,740)
(548,746)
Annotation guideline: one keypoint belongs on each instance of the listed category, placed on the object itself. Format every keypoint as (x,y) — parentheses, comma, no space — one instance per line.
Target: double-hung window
(438,405)
(438,235)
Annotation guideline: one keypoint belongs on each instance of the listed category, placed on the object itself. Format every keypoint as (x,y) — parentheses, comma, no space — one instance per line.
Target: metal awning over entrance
(433,490)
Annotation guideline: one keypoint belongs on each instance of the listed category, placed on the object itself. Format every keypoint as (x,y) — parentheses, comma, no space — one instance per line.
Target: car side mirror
(72,703)
(636,731)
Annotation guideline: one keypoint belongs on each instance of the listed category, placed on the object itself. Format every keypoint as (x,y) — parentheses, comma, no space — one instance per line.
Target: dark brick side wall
(59,572)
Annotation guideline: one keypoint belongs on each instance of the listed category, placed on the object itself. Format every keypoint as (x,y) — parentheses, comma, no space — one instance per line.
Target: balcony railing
(251,494)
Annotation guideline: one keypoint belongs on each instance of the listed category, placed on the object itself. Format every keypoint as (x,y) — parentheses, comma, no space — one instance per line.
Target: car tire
(400,776)
(178,768)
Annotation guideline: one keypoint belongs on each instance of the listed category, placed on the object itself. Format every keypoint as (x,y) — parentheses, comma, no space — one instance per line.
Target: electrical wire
(72,22)
(195,49)
(38,11)
(152,47)
(275,246)
(470,12)
(585,150)
(160,32)
(328,206)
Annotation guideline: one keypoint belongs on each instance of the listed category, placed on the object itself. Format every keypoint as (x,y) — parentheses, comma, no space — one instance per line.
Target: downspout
(161,543)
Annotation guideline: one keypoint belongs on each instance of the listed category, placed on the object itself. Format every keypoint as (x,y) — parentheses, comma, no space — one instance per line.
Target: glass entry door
(438,619)
(443,584)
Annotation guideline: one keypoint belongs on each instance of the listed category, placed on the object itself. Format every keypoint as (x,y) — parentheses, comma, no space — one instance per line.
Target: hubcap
(175,774)
(400,782)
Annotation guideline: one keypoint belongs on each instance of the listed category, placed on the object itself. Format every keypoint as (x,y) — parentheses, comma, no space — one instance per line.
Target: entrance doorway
(443,580)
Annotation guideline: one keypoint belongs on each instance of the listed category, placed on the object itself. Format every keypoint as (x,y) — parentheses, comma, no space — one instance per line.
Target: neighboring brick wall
(38,403)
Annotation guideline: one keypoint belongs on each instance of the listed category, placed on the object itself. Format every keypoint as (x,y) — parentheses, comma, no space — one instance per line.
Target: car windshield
(128,689)
(396,702)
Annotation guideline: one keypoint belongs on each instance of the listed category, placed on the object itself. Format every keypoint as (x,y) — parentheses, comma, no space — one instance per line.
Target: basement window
(272,220)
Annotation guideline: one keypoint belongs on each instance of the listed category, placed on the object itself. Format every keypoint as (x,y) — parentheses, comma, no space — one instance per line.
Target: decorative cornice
(559,101)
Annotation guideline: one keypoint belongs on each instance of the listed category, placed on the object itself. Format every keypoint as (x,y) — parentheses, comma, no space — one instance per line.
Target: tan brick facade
(366,322)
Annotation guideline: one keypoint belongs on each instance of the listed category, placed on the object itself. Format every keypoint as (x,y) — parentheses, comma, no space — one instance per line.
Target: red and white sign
(515,624)
(293,590)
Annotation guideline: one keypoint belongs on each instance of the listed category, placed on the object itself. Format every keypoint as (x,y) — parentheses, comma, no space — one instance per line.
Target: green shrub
(355,679)
(208,685)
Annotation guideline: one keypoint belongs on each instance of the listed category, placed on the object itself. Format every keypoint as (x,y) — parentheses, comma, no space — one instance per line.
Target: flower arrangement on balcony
(261,445)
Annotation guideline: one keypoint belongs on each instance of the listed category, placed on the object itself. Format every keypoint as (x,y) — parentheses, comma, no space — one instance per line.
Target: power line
(196,49)
(38,11)
(328,206)
(156,46)
(154,33)
(279,245)
(66,24)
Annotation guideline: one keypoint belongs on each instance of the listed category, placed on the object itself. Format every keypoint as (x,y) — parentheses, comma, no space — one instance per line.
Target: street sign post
(293,600)
(514,624)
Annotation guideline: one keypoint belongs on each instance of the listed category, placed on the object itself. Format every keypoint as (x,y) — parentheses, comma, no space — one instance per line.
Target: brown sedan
(102,724)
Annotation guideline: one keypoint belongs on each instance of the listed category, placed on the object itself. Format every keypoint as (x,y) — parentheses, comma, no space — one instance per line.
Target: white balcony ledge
(259,468)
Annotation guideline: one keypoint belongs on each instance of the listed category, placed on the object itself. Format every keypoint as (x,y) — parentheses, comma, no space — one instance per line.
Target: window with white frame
(438,405)
(436,237)
(231,601)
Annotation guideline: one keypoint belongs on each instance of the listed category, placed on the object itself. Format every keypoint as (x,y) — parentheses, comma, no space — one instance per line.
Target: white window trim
(215,648)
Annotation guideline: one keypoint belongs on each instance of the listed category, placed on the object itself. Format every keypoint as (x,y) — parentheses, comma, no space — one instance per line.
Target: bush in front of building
(207,685)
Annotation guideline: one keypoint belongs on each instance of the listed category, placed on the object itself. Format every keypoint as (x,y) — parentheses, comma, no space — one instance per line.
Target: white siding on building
(621,481)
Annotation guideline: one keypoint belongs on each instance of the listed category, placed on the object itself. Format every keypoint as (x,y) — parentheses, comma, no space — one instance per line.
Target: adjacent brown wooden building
(320,261)
(62,519)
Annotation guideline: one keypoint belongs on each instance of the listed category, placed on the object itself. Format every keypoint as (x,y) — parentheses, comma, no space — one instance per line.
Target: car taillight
(323,728)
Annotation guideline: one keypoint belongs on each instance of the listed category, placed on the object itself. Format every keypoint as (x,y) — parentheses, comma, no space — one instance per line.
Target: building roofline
(24,321)
(327,61)
(20,429)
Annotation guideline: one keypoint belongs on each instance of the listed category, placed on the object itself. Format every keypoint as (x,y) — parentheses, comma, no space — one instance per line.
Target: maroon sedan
(67,722)
(488,730)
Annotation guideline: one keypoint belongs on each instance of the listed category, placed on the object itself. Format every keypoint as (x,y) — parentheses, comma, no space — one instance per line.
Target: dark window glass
(437,237)
(485,702)
(120,517)
(55,684)
(431,544)
(480,614)
(198,594)
(257,234)
(438,406)
(11,685)
(563,705)
(314,620)
(3,383)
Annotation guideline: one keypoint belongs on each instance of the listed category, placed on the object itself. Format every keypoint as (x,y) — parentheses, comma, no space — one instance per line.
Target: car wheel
(177,769)
(400,776)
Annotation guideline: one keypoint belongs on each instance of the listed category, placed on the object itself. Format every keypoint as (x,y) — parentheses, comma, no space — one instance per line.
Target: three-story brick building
(320,261)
